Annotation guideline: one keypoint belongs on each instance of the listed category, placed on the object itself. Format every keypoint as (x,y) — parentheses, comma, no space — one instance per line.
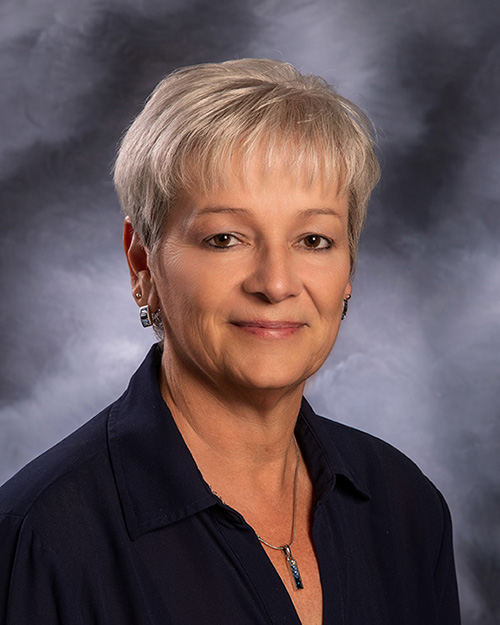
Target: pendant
(292,563)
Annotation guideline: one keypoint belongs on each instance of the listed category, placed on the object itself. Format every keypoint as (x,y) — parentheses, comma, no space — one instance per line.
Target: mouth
(269,329)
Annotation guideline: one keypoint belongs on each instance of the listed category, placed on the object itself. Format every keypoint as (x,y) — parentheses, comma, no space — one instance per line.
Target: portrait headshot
(251,339)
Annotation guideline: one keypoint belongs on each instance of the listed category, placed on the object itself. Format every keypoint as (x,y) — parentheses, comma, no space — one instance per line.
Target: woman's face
(251,280)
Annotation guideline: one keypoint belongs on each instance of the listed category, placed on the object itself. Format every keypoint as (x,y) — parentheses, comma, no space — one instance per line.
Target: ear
(139,264)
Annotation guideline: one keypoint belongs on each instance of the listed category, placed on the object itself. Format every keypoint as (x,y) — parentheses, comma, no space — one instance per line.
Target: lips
(271,325)
(266,328)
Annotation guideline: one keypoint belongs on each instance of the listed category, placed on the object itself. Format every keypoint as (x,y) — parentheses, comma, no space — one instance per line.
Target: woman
(210,492)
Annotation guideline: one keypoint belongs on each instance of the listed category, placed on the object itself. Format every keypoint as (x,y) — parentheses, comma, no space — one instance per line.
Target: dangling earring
(346,306)
(145,316)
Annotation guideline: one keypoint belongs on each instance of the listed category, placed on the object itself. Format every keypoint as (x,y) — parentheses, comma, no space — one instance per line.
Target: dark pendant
(292,563)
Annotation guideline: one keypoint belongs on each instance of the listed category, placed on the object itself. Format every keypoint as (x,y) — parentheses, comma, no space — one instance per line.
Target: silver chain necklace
(286,549)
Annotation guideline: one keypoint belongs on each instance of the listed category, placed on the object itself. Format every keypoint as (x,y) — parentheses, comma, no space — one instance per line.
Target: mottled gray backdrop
(418,360)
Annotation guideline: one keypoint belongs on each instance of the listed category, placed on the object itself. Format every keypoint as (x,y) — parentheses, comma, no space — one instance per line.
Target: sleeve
(445,580)
(31,582)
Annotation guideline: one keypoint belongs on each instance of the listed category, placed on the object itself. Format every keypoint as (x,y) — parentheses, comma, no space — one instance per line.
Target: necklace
(286,549)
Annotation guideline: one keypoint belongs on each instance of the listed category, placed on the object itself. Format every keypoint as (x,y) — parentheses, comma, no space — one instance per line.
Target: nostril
(272,286)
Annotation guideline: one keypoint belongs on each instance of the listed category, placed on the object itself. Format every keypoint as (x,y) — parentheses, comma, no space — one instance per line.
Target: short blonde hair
(200,118)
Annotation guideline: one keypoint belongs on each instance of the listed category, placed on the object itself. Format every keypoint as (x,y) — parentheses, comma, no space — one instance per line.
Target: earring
(346,306)
(145,316)
(138,295)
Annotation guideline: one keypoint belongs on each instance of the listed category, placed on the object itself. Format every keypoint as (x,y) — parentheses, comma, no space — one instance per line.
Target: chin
(267,376)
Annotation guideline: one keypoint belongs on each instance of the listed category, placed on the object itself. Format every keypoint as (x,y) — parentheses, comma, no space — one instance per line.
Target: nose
(273,276)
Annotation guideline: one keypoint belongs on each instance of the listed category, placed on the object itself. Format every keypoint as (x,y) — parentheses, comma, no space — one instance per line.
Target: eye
(222,240)
(316,242)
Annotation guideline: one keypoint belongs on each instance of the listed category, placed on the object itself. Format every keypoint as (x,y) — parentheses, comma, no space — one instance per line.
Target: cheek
(328,292)
(190,295)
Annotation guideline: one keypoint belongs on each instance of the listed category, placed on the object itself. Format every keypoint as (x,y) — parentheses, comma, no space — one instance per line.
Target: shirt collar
(325,453)
(157,478)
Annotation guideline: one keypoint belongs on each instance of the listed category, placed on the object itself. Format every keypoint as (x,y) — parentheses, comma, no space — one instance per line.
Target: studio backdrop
(418,359)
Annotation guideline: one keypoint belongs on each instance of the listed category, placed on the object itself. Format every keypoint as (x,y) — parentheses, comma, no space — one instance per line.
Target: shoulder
(44,480)
(370,456)
(390,478)
(52,514)
(401,499)
(403,517)
(364,451)
(48,515)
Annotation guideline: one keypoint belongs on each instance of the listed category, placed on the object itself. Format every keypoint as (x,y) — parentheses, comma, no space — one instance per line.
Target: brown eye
(316,242)
(222,240)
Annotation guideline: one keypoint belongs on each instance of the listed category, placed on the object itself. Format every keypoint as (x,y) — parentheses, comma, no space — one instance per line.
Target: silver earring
(145,316)
(346,306)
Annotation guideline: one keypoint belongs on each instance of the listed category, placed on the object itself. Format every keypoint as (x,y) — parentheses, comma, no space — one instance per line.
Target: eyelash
(323,248)
(211,241)
(326,243)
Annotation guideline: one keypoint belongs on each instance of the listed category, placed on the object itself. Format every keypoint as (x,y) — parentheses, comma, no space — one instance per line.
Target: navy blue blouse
(116,526)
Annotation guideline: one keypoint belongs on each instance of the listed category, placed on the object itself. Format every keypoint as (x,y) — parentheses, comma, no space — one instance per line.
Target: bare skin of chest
(308,601)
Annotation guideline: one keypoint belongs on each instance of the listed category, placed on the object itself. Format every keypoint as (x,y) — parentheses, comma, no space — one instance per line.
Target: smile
(269,329)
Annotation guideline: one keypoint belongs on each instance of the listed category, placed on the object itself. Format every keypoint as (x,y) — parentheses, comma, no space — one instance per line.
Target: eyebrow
(221,209)
(318,211)
(307,212)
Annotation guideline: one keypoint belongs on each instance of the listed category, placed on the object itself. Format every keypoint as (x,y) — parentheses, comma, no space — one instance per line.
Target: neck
(245,433)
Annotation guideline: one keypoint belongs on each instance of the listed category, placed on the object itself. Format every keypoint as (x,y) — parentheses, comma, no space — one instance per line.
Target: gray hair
(199,118)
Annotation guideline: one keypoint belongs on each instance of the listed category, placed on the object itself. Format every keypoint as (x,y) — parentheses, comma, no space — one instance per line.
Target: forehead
(254,194)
